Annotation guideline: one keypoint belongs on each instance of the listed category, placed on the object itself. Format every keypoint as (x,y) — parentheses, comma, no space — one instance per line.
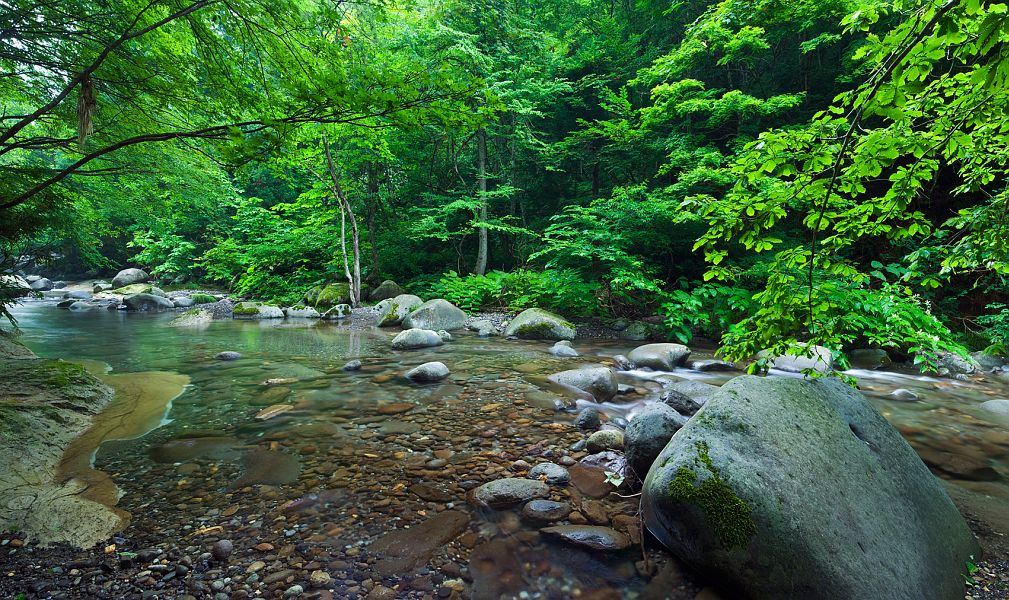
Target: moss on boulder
(539,324)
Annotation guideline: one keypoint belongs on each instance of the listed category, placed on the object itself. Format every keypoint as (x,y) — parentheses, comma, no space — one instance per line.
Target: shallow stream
(350,456)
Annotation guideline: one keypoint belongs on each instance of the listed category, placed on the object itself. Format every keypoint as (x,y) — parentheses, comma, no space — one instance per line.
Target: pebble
(552,473)
(354,365)
(228,355)
(222,549)
(607,439)
(903,395)
(588,419)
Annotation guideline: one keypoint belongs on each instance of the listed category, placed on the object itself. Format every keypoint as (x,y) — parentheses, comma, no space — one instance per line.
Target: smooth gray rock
(413,339)
(988,362)
(482,327)
(563,349)
(445,336)
(502,493)
(822,360)
(78,295)
(592,537)
(682,403)
(648,433)
(228,355)
(147,303)
(999,407)
(696,390)
(712,365)
(600,382)
(869,358)
(794,488)
(392,312)
(385,290)
(183,302)
(129,277)
(660,357)
(553,474)
(428,372)
(42,285)
(949,364)
(255,310)
(337,313)
(539,324)
(903,395)
(354,365)
(82,306)
(436,314)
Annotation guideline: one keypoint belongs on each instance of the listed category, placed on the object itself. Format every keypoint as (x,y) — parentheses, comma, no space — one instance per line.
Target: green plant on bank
(167,256)
(996,328)
(559,290)
(972,569)
(708,308)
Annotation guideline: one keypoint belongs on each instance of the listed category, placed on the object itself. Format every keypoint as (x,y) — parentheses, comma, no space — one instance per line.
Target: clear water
(340,439)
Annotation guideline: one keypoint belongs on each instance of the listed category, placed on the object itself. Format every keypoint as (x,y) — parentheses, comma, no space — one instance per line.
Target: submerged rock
(588,419)
(998,407)
(228,355)
(539,324)
(503,493)
(268,467)
(553,474)
(402,551)
(563,349)
(660,357)
(435,314)
(147,303)
(546,511)
(600,382)
(593,537)
(804,483)
(428,372)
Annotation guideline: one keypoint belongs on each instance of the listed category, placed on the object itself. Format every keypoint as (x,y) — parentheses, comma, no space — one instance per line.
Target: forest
(755,172)
(504,299)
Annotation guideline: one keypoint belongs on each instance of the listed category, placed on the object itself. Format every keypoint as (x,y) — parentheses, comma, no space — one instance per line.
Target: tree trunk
(481,151)
(375,275)
(346,212)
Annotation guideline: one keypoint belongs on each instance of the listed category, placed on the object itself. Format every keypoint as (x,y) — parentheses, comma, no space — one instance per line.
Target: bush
(559,290)
(996,328)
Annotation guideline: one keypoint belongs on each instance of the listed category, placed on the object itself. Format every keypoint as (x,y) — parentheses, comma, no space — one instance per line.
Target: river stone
(593,537)
(81,306)
(713,365)
(435,314)
(338,312)
(428,372)
(539,324)
(401,551)
(228,355)
(255,310)
(551,473)
(605,439)
(869,358)
(392,312)
(147,303)
(588,419)
(331,295)
(353,365)
(563,349)
(546,511)
(822,360)
(385,290)
(999,407)
(13,286)
(41,285)
(129,277)
(301,311)
(904,395)
(413,339)
(482,327)
(183,301)
(65,303)
(794,488)
(682,403)
(444,335)
(988,362)
(78,295)
(601,382)
(660,357)
(502,493)
(269,467)
(951,364)
(648,433)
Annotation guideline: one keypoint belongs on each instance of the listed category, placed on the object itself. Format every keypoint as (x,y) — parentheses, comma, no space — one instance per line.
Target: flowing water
(336,460)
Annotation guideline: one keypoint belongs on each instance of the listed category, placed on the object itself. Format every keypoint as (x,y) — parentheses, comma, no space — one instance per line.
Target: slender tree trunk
(481,151)
(346,212)
(376,271)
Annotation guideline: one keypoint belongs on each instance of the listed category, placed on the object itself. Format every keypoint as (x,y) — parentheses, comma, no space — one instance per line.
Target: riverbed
(309,496)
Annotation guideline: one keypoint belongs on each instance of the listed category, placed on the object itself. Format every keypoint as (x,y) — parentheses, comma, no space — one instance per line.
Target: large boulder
(428,372)
(386,290)
(147,303)
(129,277)
(820,359)
(392,312)
(139,288)
(794,488)
(952,364)
(255,310)
(13,286)
(988,362)
(413,339)
(661,357)
(648,433)
(436,314)
(300,311)
(42,285)
(331,295)
(600,382)
(539,324)
(869,358)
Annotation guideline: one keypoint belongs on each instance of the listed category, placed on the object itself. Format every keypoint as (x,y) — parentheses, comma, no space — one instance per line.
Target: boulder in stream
(820,359)
(428,372)
(436,314)
(539,324)
(147,303)
(600,382)
(255,310)
(392,312)
(414,339)
(660,357)
(385,290)
(129,277)
(794,488)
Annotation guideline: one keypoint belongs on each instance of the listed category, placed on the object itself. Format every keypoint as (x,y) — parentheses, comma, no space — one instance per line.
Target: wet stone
(589,536)
(588,419)
(551,473)
(546,511)
(227,355)
(607,439)
(502,493)
(402,551)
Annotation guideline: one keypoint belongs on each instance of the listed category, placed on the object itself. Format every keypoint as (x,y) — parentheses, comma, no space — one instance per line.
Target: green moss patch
(729,517)
(203,298)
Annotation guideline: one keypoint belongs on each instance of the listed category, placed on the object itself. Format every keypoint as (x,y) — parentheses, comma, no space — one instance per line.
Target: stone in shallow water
(551,473)
(401,551)
(496,569)
(430,493)
(999,407)
(589,536)
(183,450)
(509,492)
(268,467)
(546,511)
(590,481)
(228,355)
